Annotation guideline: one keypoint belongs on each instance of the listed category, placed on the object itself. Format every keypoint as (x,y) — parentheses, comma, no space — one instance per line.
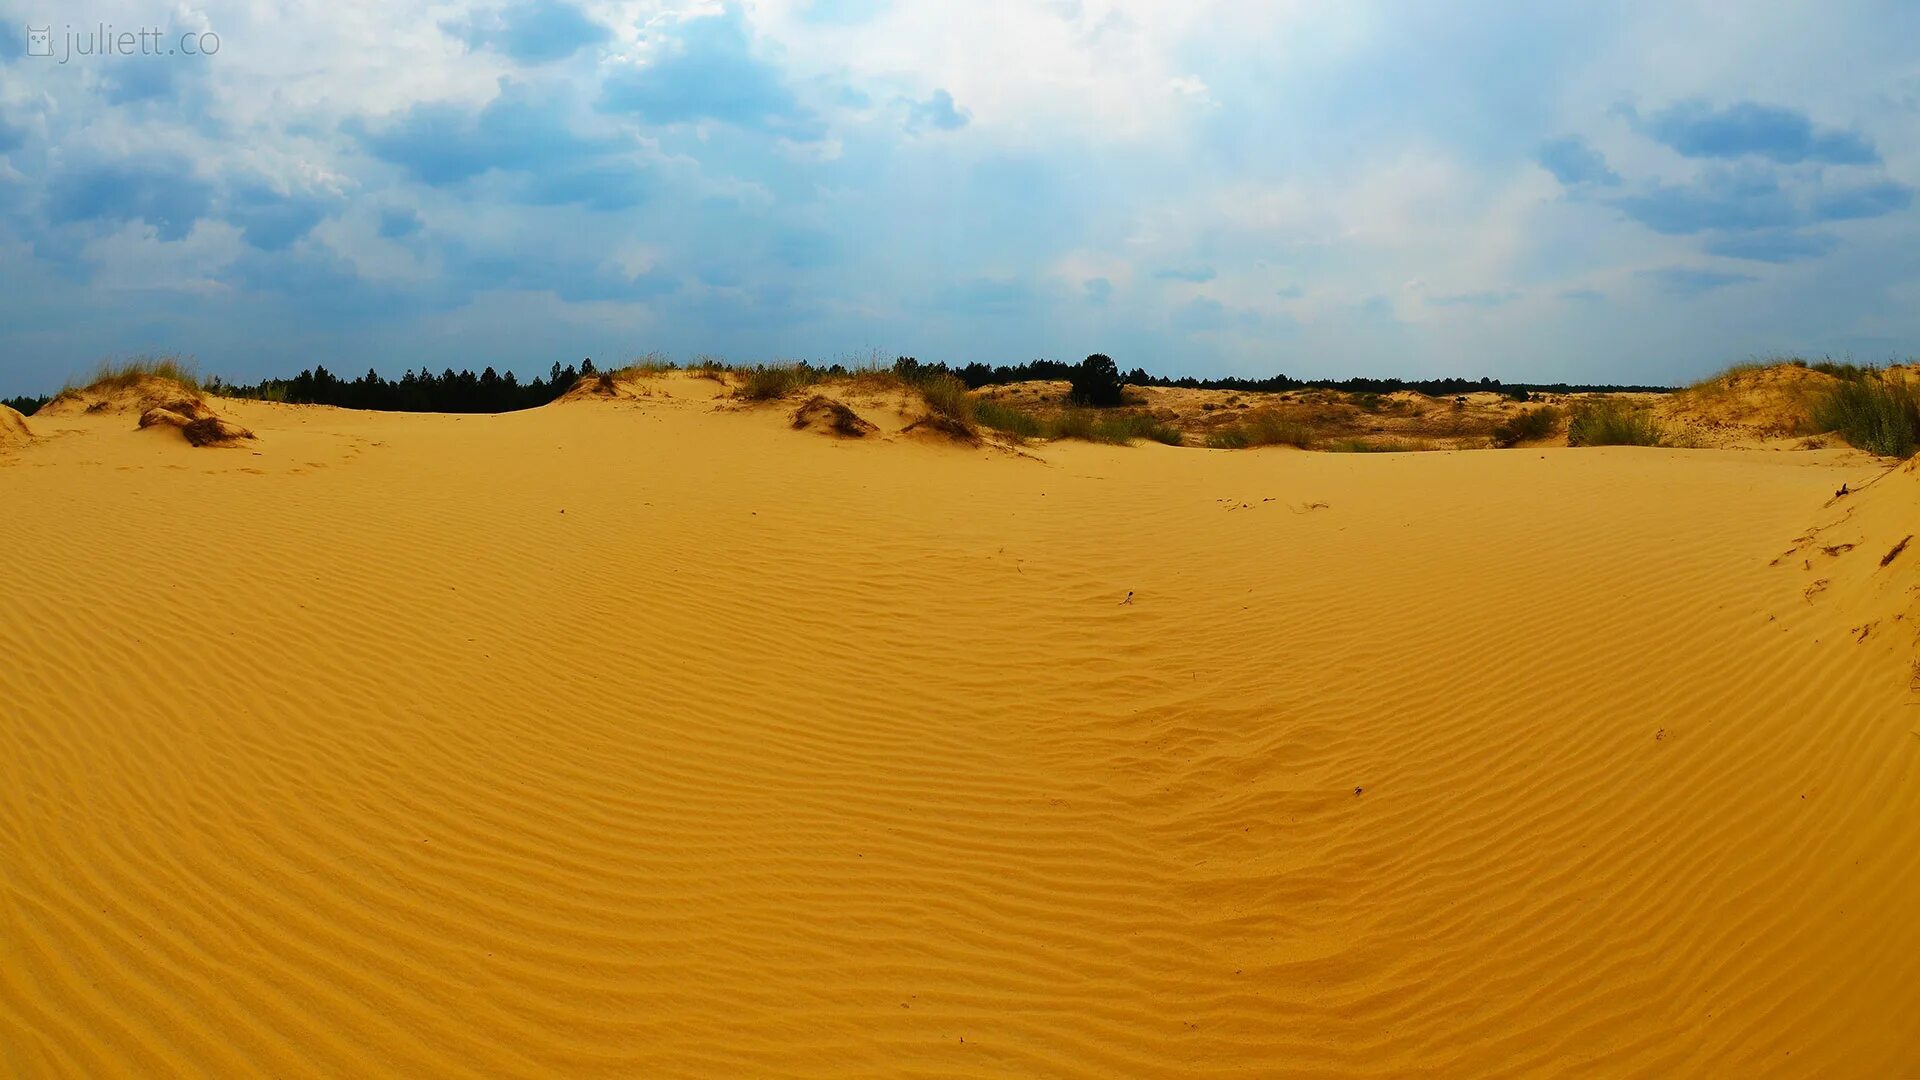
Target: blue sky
(1535,191)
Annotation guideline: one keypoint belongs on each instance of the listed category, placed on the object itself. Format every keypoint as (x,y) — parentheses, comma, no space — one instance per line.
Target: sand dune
(14,431)
(646,736)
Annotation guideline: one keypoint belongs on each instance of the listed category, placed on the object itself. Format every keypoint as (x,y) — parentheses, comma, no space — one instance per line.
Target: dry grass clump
(1530,425)
(1613,422)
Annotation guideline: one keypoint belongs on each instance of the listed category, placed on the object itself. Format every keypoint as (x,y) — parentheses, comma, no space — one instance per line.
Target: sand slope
(639,738)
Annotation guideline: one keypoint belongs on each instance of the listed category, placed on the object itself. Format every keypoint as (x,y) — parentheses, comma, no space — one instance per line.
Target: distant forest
(491,392)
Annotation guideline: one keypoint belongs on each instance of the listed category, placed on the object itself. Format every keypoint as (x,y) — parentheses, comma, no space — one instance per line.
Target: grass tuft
(1872,414)
(1612,422)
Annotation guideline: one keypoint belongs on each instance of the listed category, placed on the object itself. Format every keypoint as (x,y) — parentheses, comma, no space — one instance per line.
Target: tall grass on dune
(1877,415)
(1612,422)
(120,374)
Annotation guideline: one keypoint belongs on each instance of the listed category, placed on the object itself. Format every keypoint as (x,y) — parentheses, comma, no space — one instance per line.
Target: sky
(1628,192)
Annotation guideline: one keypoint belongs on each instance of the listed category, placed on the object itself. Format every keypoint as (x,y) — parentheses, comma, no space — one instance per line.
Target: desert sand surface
(653,737)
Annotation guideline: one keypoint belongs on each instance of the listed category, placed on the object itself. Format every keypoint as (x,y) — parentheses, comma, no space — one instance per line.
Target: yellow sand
(652,738)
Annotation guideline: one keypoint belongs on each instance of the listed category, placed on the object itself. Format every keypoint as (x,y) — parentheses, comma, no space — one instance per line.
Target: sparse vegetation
(1528,425)
(1612,422)
(1262,429)
(650,364)
(1118,430)
(767,381)
(1875,414)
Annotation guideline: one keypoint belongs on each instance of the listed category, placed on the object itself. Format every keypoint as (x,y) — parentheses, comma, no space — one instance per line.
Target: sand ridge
(650,736)
(14,430)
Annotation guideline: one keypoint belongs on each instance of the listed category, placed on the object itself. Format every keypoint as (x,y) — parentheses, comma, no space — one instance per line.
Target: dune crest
(14,431)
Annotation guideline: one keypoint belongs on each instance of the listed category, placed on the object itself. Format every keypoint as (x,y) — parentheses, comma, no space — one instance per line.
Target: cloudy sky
(1541,191)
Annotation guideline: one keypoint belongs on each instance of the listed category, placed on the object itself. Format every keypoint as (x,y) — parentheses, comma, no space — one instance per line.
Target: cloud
(398,222)
(1197,275)
(1753,198)
(598,185)
(985,296)
(131,79)
(531,31)
(842,12)
(570,280)
(1585,296)
(1572,162)
(1747,128)
(272,221)
(707,70)
(1869,201)
(163,192)
(1692,281)
(1723,199)
(937,112)
(517,132)
(1199,316)
(1775,246)
(1485,299)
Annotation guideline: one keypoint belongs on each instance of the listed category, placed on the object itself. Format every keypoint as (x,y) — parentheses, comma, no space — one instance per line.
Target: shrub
(1874,415)
(1528,425)
(1612,422)
(1095,383)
